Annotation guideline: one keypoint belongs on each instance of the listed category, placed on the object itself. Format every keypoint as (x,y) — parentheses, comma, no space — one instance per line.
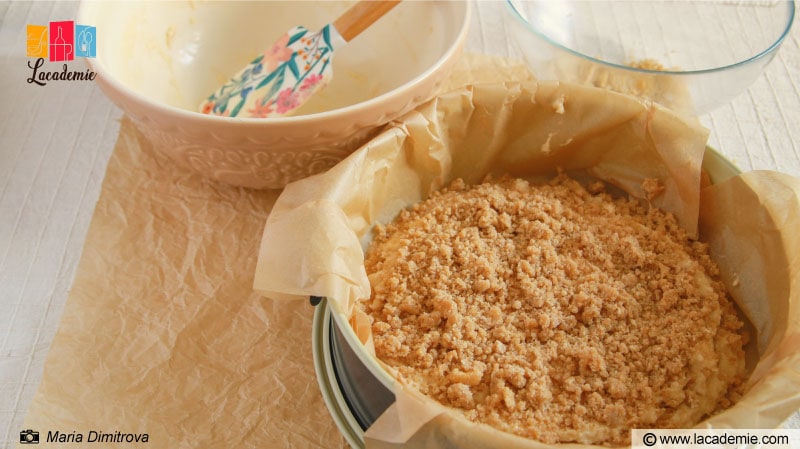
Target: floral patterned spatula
(298,65)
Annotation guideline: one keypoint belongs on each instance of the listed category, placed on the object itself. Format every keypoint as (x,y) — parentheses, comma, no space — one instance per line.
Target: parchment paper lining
(321,225)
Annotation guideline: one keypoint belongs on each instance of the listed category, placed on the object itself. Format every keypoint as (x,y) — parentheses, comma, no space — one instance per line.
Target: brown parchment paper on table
(315,236)
(162,332)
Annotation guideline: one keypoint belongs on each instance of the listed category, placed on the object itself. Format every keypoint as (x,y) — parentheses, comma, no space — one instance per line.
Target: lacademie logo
(60,41)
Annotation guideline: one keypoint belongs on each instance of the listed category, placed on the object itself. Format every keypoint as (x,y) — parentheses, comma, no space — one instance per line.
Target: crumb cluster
(647,64)
(554,312)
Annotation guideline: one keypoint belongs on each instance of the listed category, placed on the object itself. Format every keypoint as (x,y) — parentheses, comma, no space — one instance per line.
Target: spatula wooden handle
(360,16)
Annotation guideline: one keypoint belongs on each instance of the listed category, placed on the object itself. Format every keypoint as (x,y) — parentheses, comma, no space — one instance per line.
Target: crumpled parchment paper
(162,333)
(314,238)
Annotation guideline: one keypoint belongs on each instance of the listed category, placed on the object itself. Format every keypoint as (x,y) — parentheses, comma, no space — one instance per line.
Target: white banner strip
(715,438)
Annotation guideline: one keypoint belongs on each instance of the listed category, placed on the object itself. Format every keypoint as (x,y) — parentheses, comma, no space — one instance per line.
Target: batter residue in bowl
(554,312)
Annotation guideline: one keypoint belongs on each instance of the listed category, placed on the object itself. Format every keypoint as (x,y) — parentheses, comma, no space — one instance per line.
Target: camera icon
(28,437)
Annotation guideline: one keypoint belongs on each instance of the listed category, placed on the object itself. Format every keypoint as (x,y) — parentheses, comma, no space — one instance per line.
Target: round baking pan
(332,394)
(355,388)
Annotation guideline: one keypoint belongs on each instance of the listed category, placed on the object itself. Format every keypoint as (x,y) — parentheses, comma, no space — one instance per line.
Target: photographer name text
(96,436)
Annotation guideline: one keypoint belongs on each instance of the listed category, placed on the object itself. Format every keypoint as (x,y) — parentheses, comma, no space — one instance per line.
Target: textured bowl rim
(762,54)
(452,50)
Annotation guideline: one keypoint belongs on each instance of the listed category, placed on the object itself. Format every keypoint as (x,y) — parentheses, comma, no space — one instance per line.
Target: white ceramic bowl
(158,60)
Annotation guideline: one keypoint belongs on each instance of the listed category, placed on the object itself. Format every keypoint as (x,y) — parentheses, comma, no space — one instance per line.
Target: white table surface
(55,142)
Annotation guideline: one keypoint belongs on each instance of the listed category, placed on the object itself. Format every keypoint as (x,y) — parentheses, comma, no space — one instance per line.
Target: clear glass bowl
(691,56)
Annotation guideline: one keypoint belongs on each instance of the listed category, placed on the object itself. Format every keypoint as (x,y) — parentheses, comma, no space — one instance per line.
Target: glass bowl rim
(763,53)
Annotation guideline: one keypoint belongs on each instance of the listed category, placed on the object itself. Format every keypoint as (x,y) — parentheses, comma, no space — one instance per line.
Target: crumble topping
(554,312)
